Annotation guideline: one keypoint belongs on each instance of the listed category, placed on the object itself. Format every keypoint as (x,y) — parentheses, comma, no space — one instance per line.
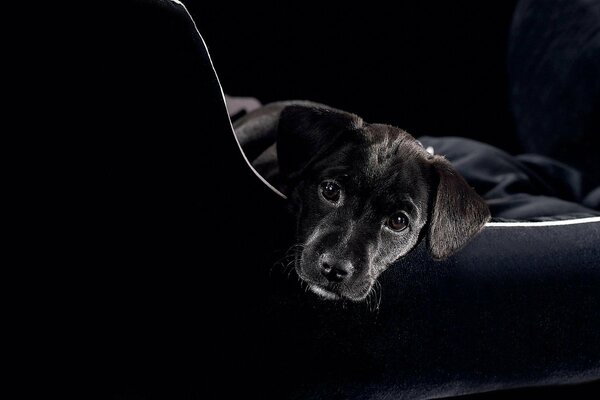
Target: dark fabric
(592,200)
(165,258)
(522,187)
(516,307)
(554,76)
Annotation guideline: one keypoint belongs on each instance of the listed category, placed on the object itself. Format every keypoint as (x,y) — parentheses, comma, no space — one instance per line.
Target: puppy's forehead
(391,152)
(379,156)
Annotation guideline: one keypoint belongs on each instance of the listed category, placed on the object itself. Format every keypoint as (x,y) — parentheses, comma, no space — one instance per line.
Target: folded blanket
(527,186)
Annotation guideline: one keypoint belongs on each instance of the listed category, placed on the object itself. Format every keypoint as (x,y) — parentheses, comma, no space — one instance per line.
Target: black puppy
(363,194)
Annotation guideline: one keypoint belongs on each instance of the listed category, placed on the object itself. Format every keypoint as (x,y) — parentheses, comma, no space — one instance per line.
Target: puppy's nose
(335,270)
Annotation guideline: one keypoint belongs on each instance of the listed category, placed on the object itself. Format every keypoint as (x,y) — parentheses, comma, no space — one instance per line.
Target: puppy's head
(364,195)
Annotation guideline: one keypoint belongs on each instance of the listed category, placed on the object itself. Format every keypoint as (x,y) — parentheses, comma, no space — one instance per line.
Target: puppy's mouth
(330,290)
(324,293)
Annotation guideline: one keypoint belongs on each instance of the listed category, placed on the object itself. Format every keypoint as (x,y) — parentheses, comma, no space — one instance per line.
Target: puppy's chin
(323,293)
(360,295)
(331,293)
(326,294)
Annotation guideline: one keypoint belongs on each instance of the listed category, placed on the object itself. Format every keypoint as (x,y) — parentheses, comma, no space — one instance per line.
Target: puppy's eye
(331,191)
(398,222)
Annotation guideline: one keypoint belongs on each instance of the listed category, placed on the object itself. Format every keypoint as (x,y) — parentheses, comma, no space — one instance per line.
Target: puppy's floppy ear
(305,133)
(458,213)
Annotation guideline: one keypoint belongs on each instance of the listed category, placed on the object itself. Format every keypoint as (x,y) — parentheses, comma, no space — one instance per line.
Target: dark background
(430,68)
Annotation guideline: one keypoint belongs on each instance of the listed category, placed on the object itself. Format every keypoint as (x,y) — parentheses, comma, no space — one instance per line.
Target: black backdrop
(430,68)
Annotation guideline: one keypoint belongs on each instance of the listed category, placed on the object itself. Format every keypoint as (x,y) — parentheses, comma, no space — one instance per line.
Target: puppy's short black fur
(363,194)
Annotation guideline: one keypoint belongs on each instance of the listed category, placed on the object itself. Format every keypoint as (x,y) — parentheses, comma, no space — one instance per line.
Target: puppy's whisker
(374,297)
(289,273)
(379,290)
(368,300)
(303,285)
(288,261)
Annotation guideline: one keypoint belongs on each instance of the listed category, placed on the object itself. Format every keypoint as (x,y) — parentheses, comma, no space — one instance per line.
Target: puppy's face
(363,205)
(363,195)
